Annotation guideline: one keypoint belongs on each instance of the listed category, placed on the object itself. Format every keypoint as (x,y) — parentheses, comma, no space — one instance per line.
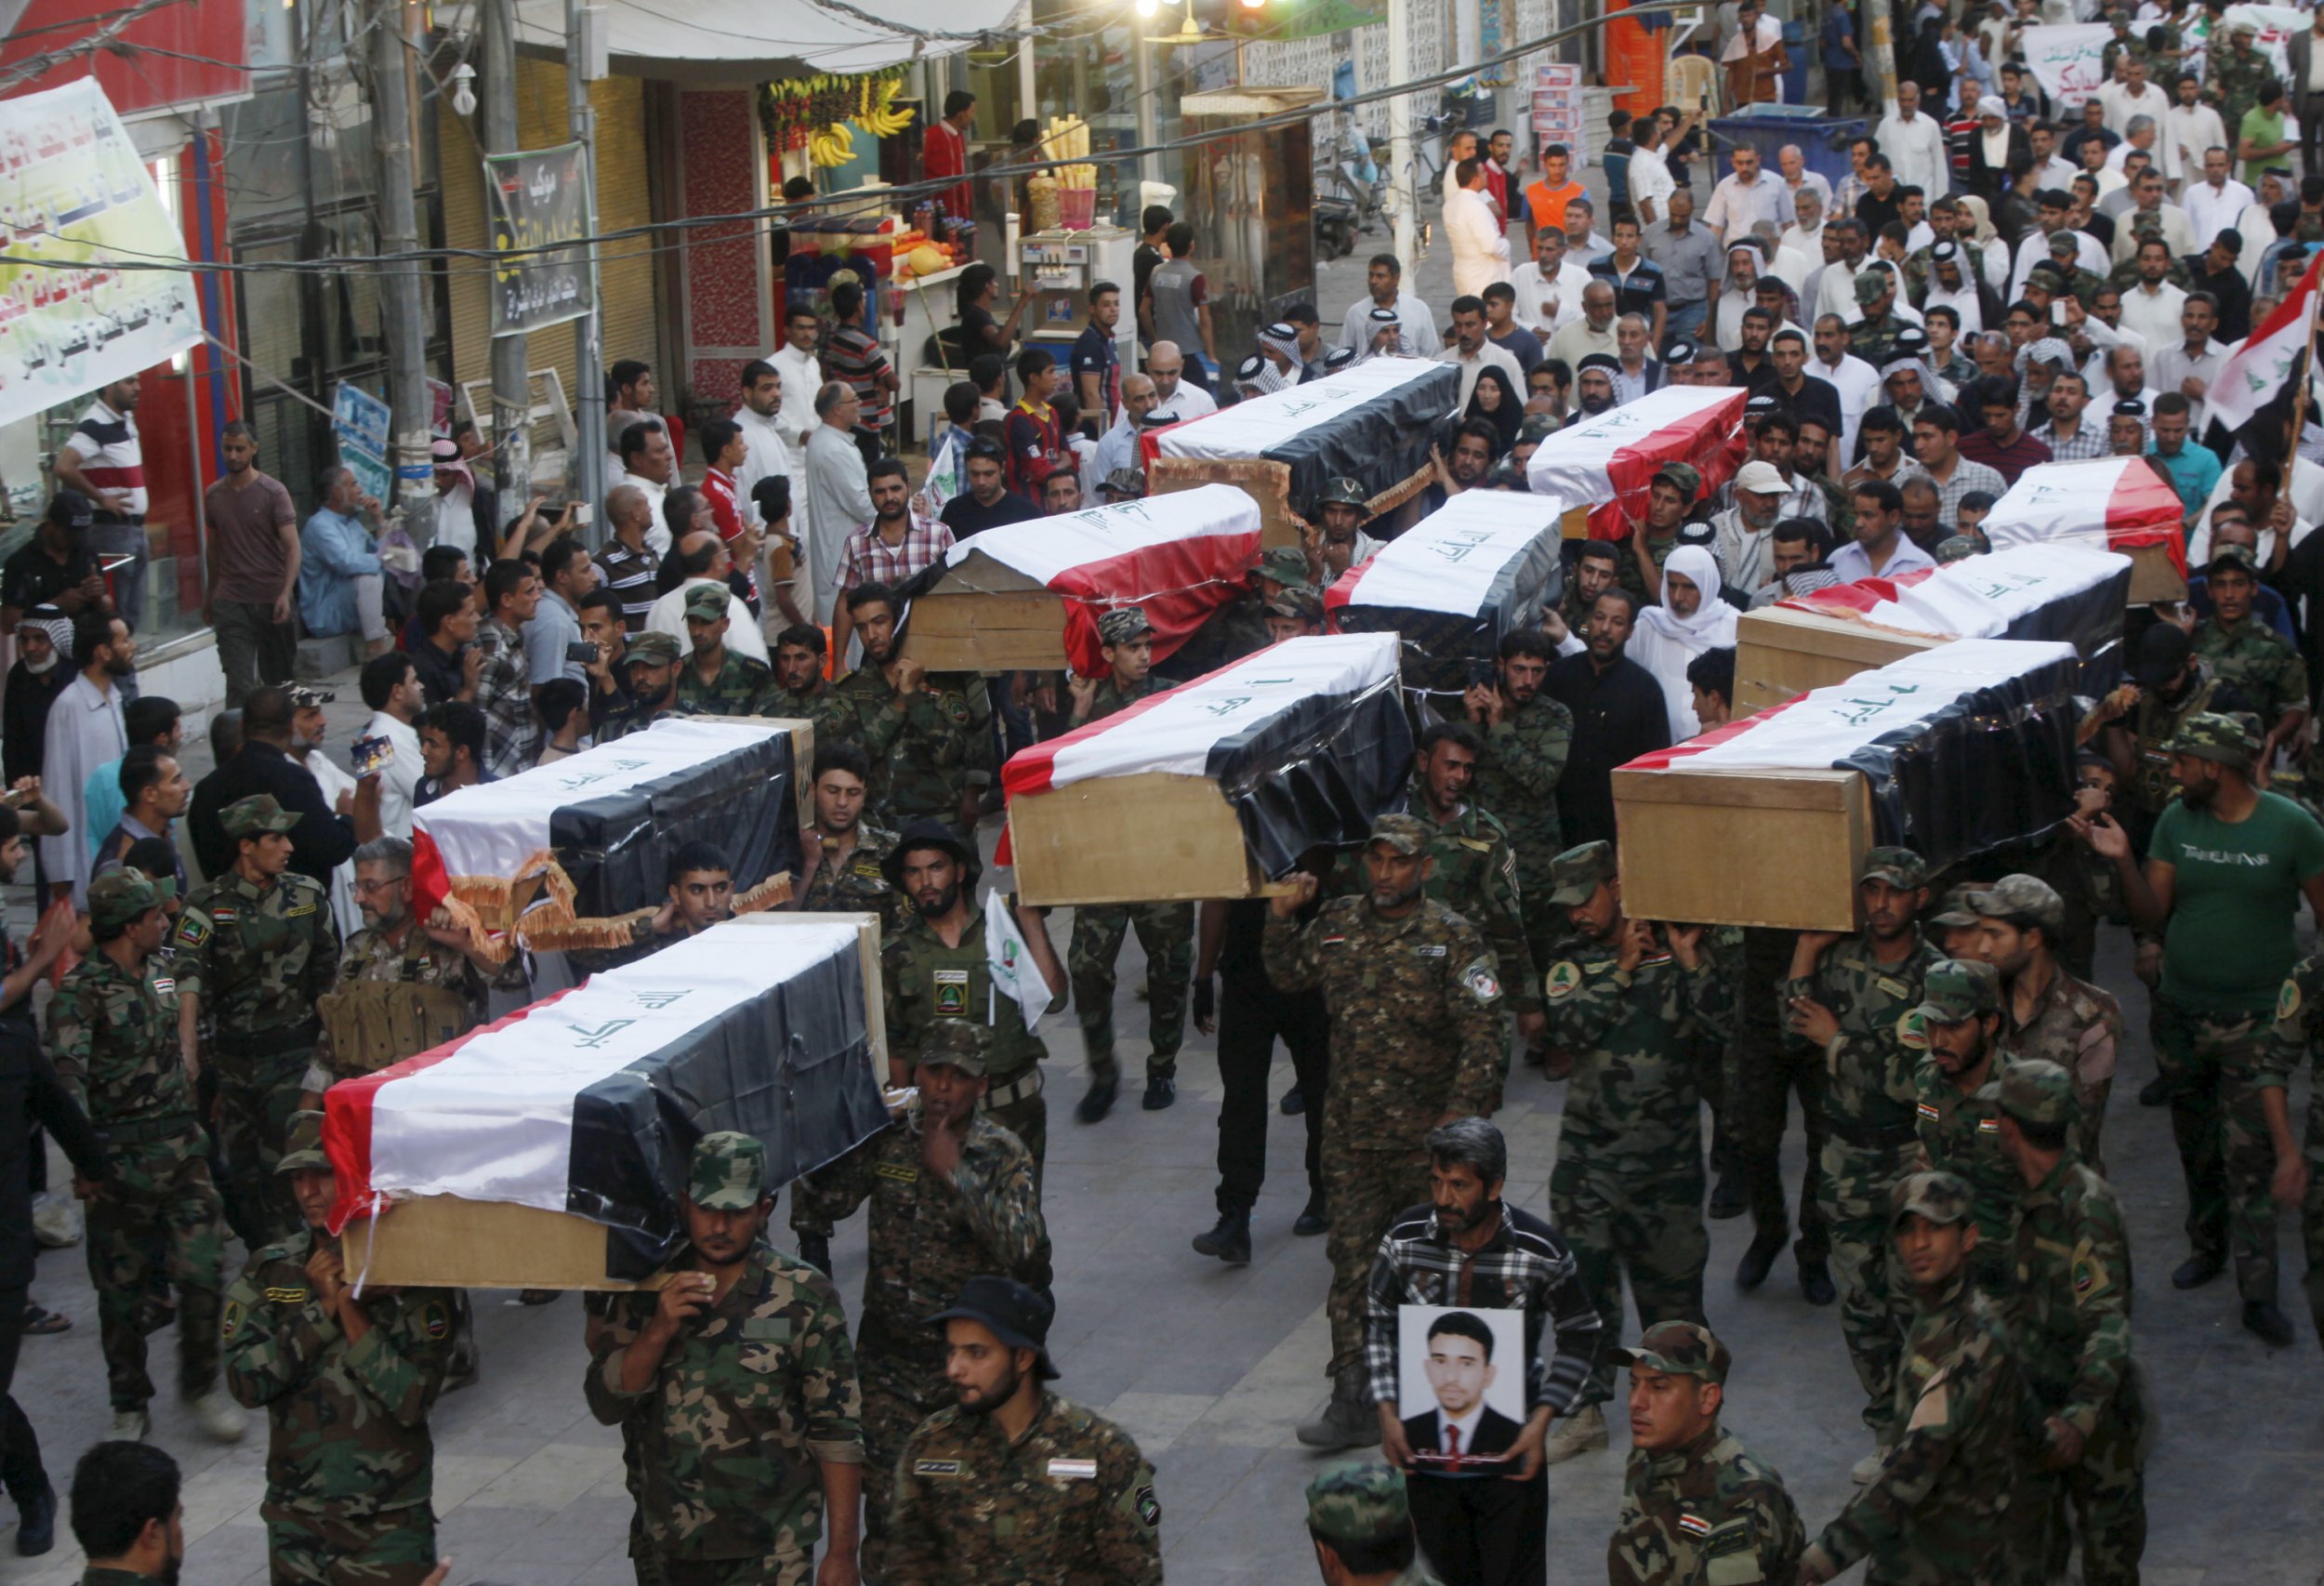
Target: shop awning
(704,41)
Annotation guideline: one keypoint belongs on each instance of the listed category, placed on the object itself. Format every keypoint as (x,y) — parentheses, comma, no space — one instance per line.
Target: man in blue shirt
(567,574)
(2194,469)
(1097,365)
(339,570)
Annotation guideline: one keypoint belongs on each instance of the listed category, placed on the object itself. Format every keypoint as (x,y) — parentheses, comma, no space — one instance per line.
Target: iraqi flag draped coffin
(588,1103)
(590,836)
(2042,590)
(1208,790)
(1454,584)
(2123,504)
(1030,594)
(1372,422)
(1608,463)
(1951,752)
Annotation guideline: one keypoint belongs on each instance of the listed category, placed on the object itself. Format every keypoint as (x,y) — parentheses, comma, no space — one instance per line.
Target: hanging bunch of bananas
(879,116)
(835,145)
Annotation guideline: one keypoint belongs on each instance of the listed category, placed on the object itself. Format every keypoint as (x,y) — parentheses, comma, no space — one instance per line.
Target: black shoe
(1099,1101)
(1161,1090)
(1229,1239)
(815,1250)
(2260,1317)
(36,1523)
(1815,1282)
(1726,1199)
(1759,1259)
(2196,1271)
(2156,1092)
(1294,1102)
(1313,1220)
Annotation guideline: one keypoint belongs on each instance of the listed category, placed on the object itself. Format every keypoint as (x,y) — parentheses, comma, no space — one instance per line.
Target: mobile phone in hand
(582,652)
(372,756)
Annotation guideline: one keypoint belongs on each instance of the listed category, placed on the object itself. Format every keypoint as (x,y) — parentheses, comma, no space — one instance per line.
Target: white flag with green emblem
(2257,369)
(1009,958)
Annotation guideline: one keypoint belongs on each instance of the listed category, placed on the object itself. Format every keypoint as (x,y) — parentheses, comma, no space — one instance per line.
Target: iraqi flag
(1607,462)
(2256,371)
(2121,504)
(590,1102)
(1307,739)
(1455,583)
(1177,556)
(1372,422)
(2035,591)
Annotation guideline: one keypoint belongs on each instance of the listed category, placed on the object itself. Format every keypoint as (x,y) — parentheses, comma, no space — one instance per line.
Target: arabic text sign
(74,197)
(359,423)
(538,202)
(2068,61)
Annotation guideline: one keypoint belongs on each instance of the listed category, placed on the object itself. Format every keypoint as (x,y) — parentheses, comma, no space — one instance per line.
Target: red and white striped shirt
(726,510)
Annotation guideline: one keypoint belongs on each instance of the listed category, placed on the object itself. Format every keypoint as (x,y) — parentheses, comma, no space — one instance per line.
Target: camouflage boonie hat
(2216,735)
(2022,895)
(1957,990)
(650,649)
(1685,478)
(1285,565)
(960,1043)
(1575,874)
(119,896)
(1897,867)
(2034,1091)
(1299,603)
(1957,547)
(1122,625)
(1406,834)
(728,1173)
(255,815)
(1359,1503)
(1680,1349)
(706,602)
(303,1146)
(1955,909)
(1343,491)
(1940,1197)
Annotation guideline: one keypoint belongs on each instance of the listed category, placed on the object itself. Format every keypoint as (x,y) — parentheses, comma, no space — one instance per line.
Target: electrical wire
(33,66)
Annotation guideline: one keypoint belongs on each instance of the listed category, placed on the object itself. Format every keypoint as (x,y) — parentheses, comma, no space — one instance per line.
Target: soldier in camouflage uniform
(1767,1070)
(739,1385)
(2071,1324)
(1936,1512)
(1414,1002)
(1873,338)
(1528,735)
(1360,1519)
(257,948)
(112,1028)
(1856,999)
(717,679)
(2236,75)
(1012,1482)
(2169,683)
(1166,931)
(347,1385)
(2085,884)
(2299,1175)
(651,662)
(1675,490)
(951,1194)
(1697,1505)
(2244,651)
(1629,1003)
(930,739)
(1959,1130)
(2047,1012)
(800,690)
(848,856)
(1596,568)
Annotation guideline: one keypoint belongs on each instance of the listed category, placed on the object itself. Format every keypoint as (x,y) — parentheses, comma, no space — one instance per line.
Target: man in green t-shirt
(2259,137)
(2225,873)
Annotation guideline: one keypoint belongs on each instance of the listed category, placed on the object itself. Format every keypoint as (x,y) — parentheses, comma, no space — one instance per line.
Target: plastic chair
(1690,78)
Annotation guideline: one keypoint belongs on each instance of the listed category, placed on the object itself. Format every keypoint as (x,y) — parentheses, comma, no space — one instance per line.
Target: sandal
(37,1320)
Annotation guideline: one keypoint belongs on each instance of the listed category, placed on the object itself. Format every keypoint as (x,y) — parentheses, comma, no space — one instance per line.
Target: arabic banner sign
(2067,59)
(74,198)
(538,202)
(359,423)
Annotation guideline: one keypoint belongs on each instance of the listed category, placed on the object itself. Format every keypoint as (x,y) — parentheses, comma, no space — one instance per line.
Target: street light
(463,92)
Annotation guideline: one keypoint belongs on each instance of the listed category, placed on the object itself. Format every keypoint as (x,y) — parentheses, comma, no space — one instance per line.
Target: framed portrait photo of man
(1460,1383)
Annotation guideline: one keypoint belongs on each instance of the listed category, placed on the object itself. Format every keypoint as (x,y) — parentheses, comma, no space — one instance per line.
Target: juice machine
(1058,269)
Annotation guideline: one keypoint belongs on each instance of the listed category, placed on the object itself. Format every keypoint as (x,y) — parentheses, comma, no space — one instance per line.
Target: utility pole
(403,299)
(1400,138)
(588,348)
(512,388)
(1883,55)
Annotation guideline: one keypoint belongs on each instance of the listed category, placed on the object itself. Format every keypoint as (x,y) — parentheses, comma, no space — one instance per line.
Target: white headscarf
(1665,641)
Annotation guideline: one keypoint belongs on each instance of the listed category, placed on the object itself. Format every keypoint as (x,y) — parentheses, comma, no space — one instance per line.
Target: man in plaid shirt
(1937,441)
(1470,1251)
(504,692)
(890,549)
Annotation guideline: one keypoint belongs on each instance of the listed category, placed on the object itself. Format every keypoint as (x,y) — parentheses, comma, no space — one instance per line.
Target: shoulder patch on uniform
(957,709)
(230,1322)
(193,931)
(2288,1001)
(1927,1111)
(304,905)
(1912,1034)
(2083,1277)
(224,913)
(1563,980)
(163,984)
(435,1321)
(287,1294)
(1149,1508)
(1694,1525)
(1482,983)
(1989,1126)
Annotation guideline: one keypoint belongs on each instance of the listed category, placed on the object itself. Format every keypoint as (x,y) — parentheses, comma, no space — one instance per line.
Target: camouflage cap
(254,815)
(1123,625)
(1940,1197)
(1955,909)
(1344,492)
(1576,874)
(1870,285)
(303,1146)
(1957,990)
(2024,896)
(960,1043)
(1359,1503)
(650,649)
(2216,735)
(728,1173)
(1678,1349)
(1127,483)
(2064,243)
(1536,428)
(1957,547)
(1897,867)
(1285,565)
(1684,477)
(1299,603)
(310,698)
(706,602)
(1407,835)
(2237,556)
(119,896)
(2034,1091)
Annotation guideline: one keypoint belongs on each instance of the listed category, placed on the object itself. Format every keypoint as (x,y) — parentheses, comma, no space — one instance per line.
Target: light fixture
(463,93)
(1148,7)
(1254,4)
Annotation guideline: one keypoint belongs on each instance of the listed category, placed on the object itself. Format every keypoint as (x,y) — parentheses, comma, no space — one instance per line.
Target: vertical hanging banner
(75,200)
(539,203)
(359,423)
